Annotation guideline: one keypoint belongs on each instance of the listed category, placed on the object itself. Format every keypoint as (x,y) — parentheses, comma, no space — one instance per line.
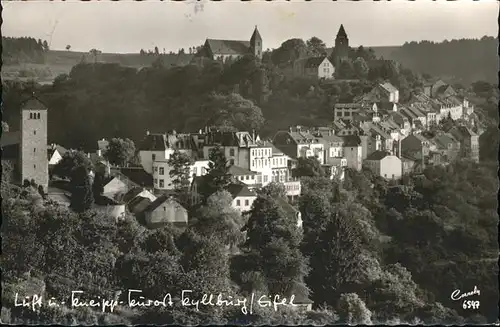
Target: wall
(243,206)
(354,157)
(168,212)
(34,162)
(115,186)
(147,159)
(389,166)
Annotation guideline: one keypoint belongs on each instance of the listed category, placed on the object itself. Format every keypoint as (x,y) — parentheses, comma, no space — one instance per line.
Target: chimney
(99,152)
(147,132)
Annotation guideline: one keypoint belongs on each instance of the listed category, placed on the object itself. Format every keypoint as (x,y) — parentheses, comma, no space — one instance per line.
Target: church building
(224,50)
(341,46)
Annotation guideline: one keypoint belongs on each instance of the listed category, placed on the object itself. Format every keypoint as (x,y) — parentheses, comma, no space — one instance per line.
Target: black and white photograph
(250,162)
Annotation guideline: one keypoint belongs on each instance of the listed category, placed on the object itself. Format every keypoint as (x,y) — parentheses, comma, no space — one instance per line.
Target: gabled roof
(53,148)
(239,171)
(375,128)
(444,139)
(33,103)
(161,200)
(137,176)
(388,87)
(228,47)
(314,62)
(240,189)
(378,155)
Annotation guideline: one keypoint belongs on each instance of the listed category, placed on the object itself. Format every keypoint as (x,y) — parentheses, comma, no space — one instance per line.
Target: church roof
(255,35)
(228,47)
(341,32)
(33,103)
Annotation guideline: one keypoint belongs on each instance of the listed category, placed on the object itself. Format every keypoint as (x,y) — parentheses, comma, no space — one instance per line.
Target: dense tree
(180,170)
(316,47)
(120,152)
(289,51)
(81,195)
(352,310)
(217,178)
(345,70)
(308,167)
(273,189)
(70,161)
(361,69)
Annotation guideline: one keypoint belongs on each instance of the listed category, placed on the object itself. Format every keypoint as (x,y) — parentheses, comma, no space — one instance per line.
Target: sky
(128,26)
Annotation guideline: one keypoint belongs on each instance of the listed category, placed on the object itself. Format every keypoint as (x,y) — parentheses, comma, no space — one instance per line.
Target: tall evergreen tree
(218,177)
(82,197)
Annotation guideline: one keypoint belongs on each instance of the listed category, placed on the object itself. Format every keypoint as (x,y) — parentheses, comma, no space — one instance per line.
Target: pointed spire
(255,35)
(341,32)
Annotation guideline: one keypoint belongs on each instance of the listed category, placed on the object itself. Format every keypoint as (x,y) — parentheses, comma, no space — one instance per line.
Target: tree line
(23,49)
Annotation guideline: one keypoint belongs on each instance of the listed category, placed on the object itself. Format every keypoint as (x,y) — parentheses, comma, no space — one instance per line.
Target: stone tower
(341,45)
(34,161)
(256,44)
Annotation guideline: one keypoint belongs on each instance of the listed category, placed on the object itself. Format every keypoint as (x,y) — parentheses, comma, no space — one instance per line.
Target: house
(243,197)
(227,50)
(165,210)
(407,165)
(138,204)
(353,151)
(332,144)
(161,173)
(346,111)
(469,142)
(416,143)
(55,154)
(113,187)
(384,164)
(160,146)
(414,115)
(300,143)
(382,92)
(314,67)
(244,176)
(133,177)
(447,145)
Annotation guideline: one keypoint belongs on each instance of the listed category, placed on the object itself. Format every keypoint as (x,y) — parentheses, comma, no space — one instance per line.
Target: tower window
(258,43)
(38,116)
(34,166)
(34,132)
(34,149)
(31,115)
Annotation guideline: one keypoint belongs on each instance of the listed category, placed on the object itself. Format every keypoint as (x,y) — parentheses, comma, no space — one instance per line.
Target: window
(231,152)
(253,177)
(246,203)
(34,149)
(162,170)
(34,132)
(34,166)
(38,116)
(153,156)
(265,178)
(385,175)
(156,181)
(392,176)
(162,183)
(247,177)
(31,115)
(237,203)
(253,163)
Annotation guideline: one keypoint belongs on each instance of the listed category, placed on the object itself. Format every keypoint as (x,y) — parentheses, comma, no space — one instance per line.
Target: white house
(55,153)
(384,165)
(243,197)
(314,67)
(161,173)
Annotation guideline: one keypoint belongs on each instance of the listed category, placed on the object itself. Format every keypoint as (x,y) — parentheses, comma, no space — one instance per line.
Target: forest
(388,240)
(459,61)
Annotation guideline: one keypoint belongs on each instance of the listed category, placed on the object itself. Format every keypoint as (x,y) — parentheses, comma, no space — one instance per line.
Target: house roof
(239,139)
(132,193)
(351,105)
(228,47)
(52,148)
(351,140)
(313,62)
(240,189)
(10,138)
(444,139)
(137,201)
(161,200)
(33,103)
(154,142)
(136,175)
(239,171)
(388,87)
(377,155)
(378,130)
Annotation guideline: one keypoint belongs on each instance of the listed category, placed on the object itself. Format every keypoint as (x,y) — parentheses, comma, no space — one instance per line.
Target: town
(391,182)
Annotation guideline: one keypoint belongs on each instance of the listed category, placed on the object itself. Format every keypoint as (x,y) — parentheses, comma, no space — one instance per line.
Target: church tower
(341,45)
(34,161)
(256,44)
